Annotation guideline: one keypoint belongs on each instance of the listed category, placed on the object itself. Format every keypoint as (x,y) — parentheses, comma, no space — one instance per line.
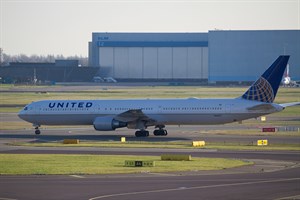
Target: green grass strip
(46,164)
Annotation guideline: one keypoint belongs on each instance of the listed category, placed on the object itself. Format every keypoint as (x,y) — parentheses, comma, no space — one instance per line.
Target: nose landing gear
(37,130)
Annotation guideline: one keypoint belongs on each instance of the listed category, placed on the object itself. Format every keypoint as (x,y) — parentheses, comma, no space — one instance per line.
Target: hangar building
(151,55)
(216,56)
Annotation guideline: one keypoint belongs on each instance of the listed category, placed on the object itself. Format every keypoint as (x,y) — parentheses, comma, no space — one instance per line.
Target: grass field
(168,145)
(19,98)
(40,164)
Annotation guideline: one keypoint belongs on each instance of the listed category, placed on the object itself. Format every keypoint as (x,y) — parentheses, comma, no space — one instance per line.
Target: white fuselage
(189,111)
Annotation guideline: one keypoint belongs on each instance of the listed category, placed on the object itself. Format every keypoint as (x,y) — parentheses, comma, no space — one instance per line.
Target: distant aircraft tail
(287,71)
(265,88)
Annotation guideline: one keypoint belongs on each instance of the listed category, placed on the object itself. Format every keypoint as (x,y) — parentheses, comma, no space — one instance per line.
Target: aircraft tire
(160,132)
(37,132)
(165,132)
(156,132)
(142,133)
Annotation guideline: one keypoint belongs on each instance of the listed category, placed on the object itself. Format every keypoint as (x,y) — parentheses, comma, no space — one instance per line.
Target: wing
(134,116)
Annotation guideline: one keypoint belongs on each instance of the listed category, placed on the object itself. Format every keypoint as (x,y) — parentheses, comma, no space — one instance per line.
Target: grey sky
(65,27)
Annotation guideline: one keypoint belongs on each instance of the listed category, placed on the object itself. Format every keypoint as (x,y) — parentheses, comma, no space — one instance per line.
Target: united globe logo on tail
(266,87)
(261,90)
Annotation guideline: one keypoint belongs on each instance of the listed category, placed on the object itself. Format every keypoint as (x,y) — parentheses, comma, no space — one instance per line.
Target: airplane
(108,115)
(287,81)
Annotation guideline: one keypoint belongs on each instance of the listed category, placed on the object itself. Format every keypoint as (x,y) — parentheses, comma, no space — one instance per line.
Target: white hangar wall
(150,55)
(154,62)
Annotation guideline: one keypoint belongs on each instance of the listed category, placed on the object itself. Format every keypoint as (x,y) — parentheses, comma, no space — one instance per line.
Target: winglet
(266,87)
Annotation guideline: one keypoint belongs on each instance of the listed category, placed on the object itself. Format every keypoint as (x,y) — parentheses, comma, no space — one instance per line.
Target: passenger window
(25,108)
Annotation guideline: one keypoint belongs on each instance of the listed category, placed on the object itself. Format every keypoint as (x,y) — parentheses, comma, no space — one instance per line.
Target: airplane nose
(21,114)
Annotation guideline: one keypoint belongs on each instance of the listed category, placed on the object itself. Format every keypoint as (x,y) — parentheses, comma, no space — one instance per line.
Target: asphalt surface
(273,185)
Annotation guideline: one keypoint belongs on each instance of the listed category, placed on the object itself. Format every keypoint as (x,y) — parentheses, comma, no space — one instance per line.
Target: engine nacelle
(107,124)
(287,80)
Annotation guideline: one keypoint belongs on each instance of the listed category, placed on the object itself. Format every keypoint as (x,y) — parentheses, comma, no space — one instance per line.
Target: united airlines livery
(108,115)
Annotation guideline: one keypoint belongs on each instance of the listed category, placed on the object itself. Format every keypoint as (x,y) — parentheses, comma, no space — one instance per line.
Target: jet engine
(107,124)
(287,80)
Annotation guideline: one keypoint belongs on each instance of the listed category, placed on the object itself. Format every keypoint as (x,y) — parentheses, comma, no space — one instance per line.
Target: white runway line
(77,176)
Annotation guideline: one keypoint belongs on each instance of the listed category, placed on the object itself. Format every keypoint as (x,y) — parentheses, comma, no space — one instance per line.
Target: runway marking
(1,198)
(192,188)
(289,198)
(77,176)
(162,174)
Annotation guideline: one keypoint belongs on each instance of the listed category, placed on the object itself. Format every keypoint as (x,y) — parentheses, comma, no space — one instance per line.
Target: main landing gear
(142,133)
(158,132)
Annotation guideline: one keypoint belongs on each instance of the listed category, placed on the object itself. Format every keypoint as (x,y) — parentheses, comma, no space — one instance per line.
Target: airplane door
(159,109)
(39,109)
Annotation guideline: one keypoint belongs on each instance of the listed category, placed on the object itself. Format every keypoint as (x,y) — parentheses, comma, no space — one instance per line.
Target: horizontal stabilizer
(290,104)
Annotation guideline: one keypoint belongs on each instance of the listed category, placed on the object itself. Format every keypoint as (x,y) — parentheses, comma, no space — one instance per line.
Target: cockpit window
(26,108)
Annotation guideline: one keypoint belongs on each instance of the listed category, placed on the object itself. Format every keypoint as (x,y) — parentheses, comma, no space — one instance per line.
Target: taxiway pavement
(261,186)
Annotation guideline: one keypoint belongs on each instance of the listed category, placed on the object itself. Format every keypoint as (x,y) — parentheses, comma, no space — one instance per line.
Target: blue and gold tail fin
(265,88)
